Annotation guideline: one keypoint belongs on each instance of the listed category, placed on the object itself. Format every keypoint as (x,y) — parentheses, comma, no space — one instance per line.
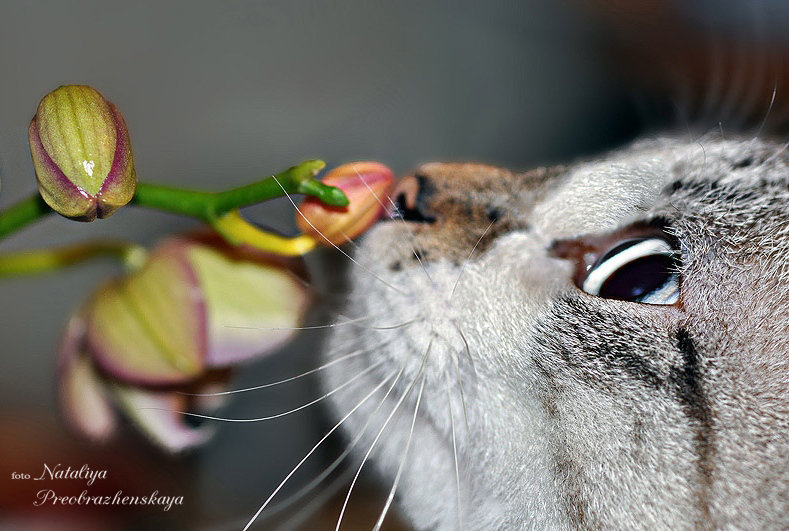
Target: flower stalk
(217,209)
(42,260)
(22,213)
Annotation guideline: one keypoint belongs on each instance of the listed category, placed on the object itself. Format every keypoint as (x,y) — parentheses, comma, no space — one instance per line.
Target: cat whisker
(296,522)
(317,445)
(468,258)
(466,347)
(354,245)
(354,322)
(413,247)
(317,480)
(314,327)
(278,415)
(462,394)
(380,432)
(393,327)
(345,357)
(390,498)
(754,91)
(767,114)
(400,217)
(715,87)
(455,454)
(349,257)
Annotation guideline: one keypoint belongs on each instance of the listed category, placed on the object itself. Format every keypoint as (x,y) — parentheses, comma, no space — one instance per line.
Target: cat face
(513,394)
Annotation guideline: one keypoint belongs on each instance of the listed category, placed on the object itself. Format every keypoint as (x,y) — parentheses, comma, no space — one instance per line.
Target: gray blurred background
(219,94)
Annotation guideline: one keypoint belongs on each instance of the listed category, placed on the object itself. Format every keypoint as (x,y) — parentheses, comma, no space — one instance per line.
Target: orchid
(161,340)
(81,154)
(196,308)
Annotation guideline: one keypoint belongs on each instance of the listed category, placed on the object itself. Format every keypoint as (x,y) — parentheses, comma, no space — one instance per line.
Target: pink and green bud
(196,308)
(366,185)
(81,154)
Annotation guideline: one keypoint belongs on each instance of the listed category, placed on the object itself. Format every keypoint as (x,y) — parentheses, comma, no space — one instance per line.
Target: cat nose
(411,199)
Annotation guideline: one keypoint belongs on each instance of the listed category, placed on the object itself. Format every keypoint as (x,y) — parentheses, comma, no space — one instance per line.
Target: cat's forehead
(606,193)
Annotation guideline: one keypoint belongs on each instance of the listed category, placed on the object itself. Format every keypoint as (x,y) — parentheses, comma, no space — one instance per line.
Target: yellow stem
(233,227)
(43,260)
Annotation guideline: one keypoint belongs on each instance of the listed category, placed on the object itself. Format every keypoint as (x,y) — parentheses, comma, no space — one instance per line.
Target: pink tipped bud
(366,185)
(81,154)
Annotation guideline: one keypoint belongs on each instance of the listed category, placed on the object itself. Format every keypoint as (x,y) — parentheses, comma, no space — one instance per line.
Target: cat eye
(636,270)
(640,264)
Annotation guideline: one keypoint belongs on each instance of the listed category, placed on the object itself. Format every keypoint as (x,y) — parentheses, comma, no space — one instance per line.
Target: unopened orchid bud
(366,185)
(198,307)
(81,154)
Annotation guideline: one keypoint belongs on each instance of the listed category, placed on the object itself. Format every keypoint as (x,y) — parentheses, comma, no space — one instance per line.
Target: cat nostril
(410,199)
(401,202)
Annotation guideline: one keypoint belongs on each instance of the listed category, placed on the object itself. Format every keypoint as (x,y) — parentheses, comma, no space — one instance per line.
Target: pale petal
(210,396)
(252,306)
(149,328)
(159,415)
(82,393)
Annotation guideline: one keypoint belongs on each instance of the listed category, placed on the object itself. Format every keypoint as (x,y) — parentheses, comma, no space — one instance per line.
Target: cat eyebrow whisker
(349,257)
(392,491)
(380,432)
(326,436)
(354,354)
(757,74)
(767,114)
(278,415)
(714,93)
(455,454)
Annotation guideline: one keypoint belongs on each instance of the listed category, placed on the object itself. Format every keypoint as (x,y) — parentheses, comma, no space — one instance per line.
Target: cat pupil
(638,278)
(637,270)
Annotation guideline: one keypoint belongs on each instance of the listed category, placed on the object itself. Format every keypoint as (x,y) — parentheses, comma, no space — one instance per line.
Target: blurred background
(218,94)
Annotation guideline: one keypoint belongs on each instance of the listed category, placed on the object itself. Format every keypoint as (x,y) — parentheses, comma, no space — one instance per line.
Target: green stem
(43,260)
(208,206)
(205,206)
(23,213)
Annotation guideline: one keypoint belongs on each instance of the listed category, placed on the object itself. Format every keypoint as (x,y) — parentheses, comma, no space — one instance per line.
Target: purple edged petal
(121,181)
(81,391)
(149,328)
(252,305)
(62,195)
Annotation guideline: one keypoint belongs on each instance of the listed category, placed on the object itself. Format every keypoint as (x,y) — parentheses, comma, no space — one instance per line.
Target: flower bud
(366,185)
(81,154)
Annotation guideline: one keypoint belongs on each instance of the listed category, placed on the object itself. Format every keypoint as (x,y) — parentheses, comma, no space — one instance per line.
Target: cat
(598,345)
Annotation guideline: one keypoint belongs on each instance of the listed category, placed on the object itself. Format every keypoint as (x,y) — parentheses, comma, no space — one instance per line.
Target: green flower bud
(81,154)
